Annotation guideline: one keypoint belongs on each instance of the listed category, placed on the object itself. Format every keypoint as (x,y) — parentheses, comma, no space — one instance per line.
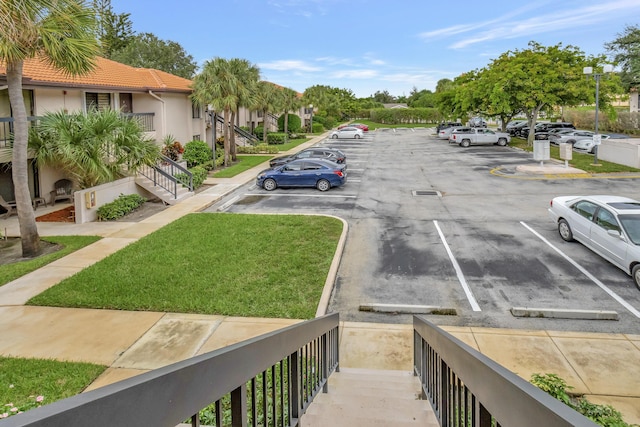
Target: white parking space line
(336,196)
(228,204)
(456,266)
(602,286)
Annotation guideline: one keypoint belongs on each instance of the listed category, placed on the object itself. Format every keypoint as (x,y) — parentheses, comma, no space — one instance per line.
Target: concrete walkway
(605,367)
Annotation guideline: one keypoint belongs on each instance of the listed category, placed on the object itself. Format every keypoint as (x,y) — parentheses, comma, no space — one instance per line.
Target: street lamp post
(596,137)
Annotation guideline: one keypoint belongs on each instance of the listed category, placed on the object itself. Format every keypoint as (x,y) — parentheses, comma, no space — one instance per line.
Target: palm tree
(247,76)
(267,99)
(225,84)
(92,148)
(62,33)
(290,102)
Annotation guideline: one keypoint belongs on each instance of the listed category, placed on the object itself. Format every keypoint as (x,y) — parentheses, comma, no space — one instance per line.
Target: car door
(486,136)
(582,219)
(311,173)
(610,246)
(290,174)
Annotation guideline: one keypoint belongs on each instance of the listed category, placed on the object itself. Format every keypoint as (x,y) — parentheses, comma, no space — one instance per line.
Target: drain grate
(426,193)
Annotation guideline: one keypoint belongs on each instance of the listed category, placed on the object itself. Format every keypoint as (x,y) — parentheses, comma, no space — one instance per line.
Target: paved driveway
(430,224)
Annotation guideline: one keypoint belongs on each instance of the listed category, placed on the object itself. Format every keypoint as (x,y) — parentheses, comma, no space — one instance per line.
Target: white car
(446,133)
(586,145)
(608,225)
(348,132)
(569,136)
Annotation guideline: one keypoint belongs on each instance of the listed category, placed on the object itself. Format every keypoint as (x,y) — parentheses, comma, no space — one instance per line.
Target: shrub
(294,124)
(121,206)
(276,137)
(259,149)
(318,127)
(172,148)
(196,153)
(604,415)
(259,131)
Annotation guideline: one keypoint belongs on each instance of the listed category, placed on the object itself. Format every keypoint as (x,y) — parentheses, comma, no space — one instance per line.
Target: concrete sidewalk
(605,367)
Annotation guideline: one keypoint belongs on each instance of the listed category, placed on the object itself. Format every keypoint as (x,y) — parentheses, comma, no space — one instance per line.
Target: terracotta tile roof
(107,74)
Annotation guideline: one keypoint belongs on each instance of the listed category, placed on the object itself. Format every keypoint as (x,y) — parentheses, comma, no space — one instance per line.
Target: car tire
(571,141)
(269,184)
(465,143)
(323,185)
(635,273)
(502,142)
(565,230)
(356,136)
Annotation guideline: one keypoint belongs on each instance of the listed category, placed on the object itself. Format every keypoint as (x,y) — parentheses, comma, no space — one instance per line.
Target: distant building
(395,105)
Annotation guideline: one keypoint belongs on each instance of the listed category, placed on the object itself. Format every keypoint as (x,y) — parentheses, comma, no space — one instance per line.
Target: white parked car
(446,132)
(569,136)
(608,225)
(586,145)
(348,132)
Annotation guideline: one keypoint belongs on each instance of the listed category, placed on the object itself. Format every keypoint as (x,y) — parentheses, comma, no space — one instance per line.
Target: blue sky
(375,45)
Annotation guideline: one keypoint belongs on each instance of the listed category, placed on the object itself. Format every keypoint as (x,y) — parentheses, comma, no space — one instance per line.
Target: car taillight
(551,203)
(339,173)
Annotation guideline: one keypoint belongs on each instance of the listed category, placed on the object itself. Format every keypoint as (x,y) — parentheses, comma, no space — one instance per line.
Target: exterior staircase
(368,397)
(166,196)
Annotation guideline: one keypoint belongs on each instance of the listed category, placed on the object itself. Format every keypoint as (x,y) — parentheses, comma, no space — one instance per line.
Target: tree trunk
(232,140)
(286,126)
(264,127)
(227,144)
(19,164)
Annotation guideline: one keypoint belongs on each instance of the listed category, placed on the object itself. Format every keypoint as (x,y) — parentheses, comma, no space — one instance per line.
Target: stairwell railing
(168,174)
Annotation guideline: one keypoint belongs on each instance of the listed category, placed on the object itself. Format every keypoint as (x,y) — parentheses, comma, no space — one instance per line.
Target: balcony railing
(268,380)
(467,389)
(6,130)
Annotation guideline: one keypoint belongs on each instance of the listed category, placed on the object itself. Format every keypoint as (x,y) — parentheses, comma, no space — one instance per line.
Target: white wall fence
(88,201)
(622,151)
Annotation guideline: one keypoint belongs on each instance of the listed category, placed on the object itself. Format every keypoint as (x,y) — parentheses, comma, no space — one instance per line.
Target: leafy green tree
(541,78)
(625,51)
(114,29)
(62,32)
(145,50)
(92,148)
(383,97)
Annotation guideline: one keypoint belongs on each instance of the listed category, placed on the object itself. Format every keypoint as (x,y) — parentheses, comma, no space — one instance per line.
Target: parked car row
(319,167)
(541,130)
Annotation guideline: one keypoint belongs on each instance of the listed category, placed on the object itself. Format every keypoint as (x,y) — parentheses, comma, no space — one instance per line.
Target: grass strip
(28,383)
(242,164)
(10,272)
(212,263)
(581,161)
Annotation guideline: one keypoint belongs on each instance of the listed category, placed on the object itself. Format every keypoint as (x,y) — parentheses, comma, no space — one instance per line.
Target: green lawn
(242,164)
(578,160)
(28,383)
(374,125)
(10,272)
(212,263)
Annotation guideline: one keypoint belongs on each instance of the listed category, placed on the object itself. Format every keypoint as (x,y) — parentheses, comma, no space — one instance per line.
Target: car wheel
(502,142)
(636,275)
(571,141)
(356,136)
(465,143)
(269,184)
(323,185)
(565,230)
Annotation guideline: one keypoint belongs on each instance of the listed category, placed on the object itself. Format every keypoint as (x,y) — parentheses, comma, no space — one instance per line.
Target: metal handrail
(167,174)
(243,133)
(466,388)
(297,360)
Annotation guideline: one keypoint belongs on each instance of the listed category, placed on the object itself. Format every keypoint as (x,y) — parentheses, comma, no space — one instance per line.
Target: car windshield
(631,224)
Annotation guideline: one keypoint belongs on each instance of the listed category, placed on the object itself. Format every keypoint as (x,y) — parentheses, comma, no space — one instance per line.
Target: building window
(196,138)
(98,101)
(195,111)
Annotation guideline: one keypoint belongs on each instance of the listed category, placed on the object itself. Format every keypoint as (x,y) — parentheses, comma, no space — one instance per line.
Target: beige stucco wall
(104,194)
(54,100)
(621,151)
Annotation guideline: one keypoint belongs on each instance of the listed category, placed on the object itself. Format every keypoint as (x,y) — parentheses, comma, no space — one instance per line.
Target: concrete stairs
(368,397)
(161,193)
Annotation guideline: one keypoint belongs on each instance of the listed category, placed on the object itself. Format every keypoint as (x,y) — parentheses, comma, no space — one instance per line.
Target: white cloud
(354,74)
(288,65)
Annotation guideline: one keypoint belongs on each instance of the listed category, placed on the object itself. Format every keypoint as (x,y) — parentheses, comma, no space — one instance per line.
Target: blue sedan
(321,174)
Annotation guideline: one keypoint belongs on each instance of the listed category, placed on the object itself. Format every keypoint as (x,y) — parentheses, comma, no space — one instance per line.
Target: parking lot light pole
(588,71)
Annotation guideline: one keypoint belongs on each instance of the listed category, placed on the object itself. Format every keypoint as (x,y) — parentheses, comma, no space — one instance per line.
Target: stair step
(365,397)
